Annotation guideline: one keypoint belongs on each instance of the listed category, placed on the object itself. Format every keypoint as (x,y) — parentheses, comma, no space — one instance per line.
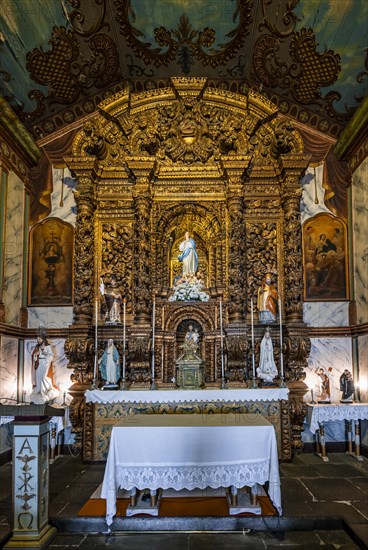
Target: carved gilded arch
(188,123)
(205,316)
(198,218)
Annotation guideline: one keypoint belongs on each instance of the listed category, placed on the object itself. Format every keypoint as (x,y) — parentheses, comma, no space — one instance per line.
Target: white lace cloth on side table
(320,414)
(209,452)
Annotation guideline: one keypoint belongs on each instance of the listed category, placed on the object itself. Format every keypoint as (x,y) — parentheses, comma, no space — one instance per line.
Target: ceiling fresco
(60,58)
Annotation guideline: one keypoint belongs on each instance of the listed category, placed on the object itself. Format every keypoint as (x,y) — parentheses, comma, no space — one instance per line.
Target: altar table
(191,451)
(319,414)
(182,396)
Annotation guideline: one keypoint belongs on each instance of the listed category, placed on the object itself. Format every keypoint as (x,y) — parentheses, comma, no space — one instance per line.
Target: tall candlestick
(223,382)
(124,343)
(96,345)
(252,328)
(153,385)
(281,354)
(282,385)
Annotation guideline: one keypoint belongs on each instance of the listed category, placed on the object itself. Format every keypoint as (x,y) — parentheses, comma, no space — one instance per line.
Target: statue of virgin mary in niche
(188,256)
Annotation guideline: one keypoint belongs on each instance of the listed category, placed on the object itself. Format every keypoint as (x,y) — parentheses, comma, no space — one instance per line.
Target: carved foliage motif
(317,69)
(139,359)
(261,254)
(53,68)
(184,43)
(66,73)
(117,257)
(236,353)
(297,349)
(304,73)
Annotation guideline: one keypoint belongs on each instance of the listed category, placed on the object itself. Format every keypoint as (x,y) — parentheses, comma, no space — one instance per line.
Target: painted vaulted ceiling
(60,58)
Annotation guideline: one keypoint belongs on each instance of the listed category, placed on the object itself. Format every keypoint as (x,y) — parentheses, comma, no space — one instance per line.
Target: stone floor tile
(225,541)
(333,489)
(151,541)
(290,538)
(361,530)
(296,510)
(346,471)
(339,538)
(296,470)
(67,541)
(336,510)
(293,490)
(361,482)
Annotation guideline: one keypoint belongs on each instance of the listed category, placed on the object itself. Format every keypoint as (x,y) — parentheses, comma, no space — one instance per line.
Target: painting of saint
(51,263)
(325,259)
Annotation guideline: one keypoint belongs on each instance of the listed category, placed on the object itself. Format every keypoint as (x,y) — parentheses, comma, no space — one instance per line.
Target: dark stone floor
(324,505)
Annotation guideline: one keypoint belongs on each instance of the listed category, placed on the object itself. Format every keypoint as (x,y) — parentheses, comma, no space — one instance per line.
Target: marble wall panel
(326,314)
(8,367)
(13,249)
(360,240)
(50,317)
(8,383)
(62,197)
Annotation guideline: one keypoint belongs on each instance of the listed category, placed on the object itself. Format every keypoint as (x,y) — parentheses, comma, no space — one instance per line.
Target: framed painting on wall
(51,264)
(325,259)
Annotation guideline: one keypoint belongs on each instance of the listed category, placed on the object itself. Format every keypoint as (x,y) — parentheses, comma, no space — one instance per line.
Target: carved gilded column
(237,255)
(84,250)
(296,342)
(235,167)
(212,266)
(141,168)
(142,258)
(293,268)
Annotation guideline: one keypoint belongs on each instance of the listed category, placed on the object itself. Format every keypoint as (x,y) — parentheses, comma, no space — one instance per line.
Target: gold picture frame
(51,263)
(325,259)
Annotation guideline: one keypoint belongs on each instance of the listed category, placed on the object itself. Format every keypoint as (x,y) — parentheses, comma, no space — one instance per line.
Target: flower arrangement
(189,288)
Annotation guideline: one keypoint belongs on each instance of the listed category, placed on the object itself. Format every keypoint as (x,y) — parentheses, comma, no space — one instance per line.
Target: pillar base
(33,542)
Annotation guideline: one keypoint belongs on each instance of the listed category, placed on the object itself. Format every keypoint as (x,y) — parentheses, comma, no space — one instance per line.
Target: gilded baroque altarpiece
(225,167)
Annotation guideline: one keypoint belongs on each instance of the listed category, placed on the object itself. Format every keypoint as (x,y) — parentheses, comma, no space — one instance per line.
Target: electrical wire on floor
(279,535)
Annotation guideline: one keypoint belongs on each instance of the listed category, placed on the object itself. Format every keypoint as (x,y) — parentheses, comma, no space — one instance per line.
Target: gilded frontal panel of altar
(106,416)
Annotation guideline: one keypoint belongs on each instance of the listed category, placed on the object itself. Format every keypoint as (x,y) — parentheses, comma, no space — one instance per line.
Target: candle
(252,327)
(281,354)
(153,338)
(96,328)
(124,337)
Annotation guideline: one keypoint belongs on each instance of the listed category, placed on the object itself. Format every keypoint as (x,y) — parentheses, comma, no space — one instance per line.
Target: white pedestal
(31,485)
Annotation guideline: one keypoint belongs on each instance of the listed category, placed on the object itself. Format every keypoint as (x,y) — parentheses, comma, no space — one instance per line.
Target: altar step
(184,503)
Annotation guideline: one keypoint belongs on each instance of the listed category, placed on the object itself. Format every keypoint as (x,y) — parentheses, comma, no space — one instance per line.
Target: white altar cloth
(191,451)
(181,396)
(322,413)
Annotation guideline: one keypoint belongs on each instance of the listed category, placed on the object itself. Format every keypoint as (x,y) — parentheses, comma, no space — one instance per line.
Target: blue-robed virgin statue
(188,256)
(110,363)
